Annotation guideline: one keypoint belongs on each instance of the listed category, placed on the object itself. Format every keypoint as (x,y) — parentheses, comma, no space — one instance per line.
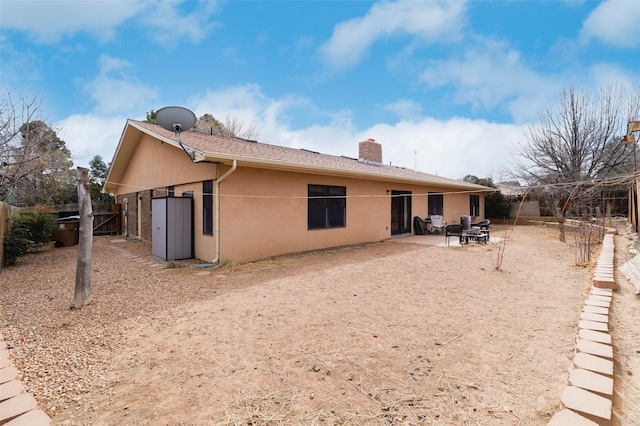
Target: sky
(447,87)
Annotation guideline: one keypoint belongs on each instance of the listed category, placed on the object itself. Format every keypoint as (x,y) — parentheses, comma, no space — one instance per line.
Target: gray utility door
(172,223)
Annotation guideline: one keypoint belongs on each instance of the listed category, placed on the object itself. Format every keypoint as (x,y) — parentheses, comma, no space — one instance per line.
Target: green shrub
(29,229)
(496,205)
(40,224)
(16,243)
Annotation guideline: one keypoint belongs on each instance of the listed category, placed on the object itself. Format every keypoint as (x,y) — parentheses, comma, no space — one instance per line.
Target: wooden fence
(106,217)
(6,211)
(106,220)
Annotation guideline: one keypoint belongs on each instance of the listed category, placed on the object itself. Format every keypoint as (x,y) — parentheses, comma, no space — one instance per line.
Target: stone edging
(16,406)
(588,397)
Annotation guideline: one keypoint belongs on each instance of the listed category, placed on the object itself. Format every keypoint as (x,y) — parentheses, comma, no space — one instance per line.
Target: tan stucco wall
(454,203)
(155,164)
(264,212)
(272,218)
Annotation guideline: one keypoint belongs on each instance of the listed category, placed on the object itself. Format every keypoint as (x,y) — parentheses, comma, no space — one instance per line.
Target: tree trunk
(561,227)
(82,295)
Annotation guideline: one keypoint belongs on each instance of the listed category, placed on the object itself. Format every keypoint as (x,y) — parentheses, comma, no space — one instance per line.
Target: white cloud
(118,95)
(170,27)
(116,90)
(244,103)
(613,23)
(602,74)
(248,105)
(49,21)
(491,74)
(405,108)
(429,21)
(88,135)
(451,148)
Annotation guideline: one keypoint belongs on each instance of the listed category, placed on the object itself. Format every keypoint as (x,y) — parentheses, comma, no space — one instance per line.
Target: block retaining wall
(588,397)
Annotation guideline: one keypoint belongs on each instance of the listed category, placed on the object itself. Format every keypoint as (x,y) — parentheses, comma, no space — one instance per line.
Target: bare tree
(232,127)
(238,129)
(34,162)
(577,143)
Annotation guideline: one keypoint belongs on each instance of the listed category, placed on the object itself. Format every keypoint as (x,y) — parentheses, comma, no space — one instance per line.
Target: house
(523,201)
(251,200)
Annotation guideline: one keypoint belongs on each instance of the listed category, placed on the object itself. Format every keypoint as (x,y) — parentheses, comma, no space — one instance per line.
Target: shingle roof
(257,154)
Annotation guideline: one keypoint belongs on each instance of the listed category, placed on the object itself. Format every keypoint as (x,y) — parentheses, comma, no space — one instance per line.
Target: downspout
(217,218)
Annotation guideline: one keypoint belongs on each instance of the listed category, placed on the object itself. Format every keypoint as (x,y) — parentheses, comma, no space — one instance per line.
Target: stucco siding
(263,204)
(154,164)
(264,213)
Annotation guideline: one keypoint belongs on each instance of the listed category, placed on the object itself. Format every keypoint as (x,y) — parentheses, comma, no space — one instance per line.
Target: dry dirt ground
(396,332)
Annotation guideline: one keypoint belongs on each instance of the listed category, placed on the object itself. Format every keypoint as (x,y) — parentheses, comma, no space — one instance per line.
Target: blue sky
(447,87)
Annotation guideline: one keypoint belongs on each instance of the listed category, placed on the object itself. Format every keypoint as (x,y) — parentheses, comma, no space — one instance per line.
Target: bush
(29,229)
(496,205)
(16,243)
(39,223)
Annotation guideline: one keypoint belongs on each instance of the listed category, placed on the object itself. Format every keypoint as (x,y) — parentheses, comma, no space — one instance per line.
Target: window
(435,204)
(474,205)
(327,207)
(207,207)
(171,190)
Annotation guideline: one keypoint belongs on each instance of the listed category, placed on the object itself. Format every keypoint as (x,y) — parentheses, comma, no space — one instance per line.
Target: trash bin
(66,232)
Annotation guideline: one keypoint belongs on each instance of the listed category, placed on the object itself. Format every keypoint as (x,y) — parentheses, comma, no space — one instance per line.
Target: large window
(207,207)
(327,207)
(435,204)
(474,205)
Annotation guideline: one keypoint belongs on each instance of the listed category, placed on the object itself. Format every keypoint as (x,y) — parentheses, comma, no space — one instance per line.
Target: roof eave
(320,170)
(282,165)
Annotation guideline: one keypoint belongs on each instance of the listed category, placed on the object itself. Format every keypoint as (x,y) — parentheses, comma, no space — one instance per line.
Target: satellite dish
(178,119)
(175,119)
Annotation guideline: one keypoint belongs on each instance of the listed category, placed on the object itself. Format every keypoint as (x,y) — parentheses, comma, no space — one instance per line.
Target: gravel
(63,354)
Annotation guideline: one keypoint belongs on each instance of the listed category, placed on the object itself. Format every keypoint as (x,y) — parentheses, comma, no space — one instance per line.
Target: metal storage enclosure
(172,223)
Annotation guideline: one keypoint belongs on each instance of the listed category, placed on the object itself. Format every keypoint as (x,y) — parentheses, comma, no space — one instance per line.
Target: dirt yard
(397,332)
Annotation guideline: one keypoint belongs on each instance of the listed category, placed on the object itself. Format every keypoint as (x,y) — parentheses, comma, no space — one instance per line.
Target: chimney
(370,151)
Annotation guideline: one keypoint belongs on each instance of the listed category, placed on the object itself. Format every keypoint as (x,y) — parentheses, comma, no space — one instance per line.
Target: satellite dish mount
(178,119)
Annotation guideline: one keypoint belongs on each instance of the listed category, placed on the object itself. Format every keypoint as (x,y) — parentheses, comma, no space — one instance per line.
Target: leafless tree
(577,143)
(34,162)
(239,129)
(232,127)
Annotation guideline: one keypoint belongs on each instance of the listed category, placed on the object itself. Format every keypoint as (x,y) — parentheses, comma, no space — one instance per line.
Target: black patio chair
(453,230)
(483,225)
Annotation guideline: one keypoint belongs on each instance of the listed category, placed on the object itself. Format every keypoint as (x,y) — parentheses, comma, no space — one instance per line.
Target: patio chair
(437,224)
(453,230)
(465,220)
(483,225)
